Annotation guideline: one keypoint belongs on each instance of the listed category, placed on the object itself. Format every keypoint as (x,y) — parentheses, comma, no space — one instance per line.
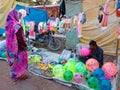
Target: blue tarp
(35,15)
(2,30)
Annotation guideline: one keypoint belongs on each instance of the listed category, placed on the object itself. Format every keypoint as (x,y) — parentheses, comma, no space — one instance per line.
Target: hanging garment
(83,19)
(79,27)
(104,21)
(118,9)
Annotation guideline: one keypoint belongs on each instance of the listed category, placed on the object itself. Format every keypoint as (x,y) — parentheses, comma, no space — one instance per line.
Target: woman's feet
(23,77)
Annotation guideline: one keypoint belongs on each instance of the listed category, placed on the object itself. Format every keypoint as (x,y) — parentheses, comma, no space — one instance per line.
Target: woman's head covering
(12,26)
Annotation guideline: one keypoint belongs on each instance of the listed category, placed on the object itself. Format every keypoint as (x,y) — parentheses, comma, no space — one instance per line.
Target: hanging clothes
(83,19)
(105,16)
(79,28)
(118,9)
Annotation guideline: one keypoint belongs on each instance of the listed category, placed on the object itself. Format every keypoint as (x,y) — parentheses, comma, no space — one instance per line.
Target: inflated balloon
(58,71)
(70,66)
(93,82)
(80,67)
(108,77)
(88,74)
(78,78)
(68,75)
(98,73)
(105,85)
(23,12)
(110,69)
(72,60)
(85,51)
(4,55)
(92,64)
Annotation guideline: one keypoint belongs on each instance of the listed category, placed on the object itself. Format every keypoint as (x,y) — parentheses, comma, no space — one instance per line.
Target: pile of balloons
(77,72)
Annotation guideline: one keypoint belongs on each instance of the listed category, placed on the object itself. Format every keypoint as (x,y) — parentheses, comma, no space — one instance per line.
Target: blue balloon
(99,73)
(105,85)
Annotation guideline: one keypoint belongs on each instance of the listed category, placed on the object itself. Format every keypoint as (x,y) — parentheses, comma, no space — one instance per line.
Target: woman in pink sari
(16,46)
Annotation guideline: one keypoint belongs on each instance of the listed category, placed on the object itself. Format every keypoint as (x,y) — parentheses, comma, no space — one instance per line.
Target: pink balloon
(78,78)
(92,64)
(110,69)
(109,77)
(85,51)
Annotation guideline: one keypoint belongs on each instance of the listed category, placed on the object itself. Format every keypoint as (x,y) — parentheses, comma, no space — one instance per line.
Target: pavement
(33,83)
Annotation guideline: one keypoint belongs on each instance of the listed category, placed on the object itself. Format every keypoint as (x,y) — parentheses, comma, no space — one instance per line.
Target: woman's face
(19,15)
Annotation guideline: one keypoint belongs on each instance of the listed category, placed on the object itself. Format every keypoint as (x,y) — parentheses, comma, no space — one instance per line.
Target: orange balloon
(92,64)
(110,69)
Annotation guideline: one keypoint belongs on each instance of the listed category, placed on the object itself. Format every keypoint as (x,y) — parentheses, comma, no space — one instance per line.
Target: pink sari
(17,59)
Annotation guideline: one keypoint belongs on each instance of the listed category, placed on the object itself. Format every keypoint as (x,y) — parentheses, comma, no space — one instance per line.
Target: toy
(93,82)
(85,51)
(105,85)
(58,71)
(98,73)
(70,66)
(110,69)
(78,78)
(68,75)
(80,67)
(92,64)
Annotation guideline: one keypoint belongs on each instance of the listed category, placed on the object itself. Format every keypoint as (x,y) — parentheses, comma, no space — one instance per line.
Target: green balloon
(88,75)
(70,66)
(58,71)
(80,67)
(68,75)
(72,60)
(4,55)
(93,82)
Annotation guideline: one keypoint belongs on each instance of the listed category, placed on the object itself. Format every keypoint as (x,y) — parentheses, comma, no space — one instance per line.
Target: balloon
(110,69)
(92,64)
(105,85)
(72,60)
(70,66)
(80,67)
(88,75)
(37,58)
(78,78)
(93,82)
(68,75)
(85,51)
(108,77)
(98,73)
(58,71)
(4,55)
